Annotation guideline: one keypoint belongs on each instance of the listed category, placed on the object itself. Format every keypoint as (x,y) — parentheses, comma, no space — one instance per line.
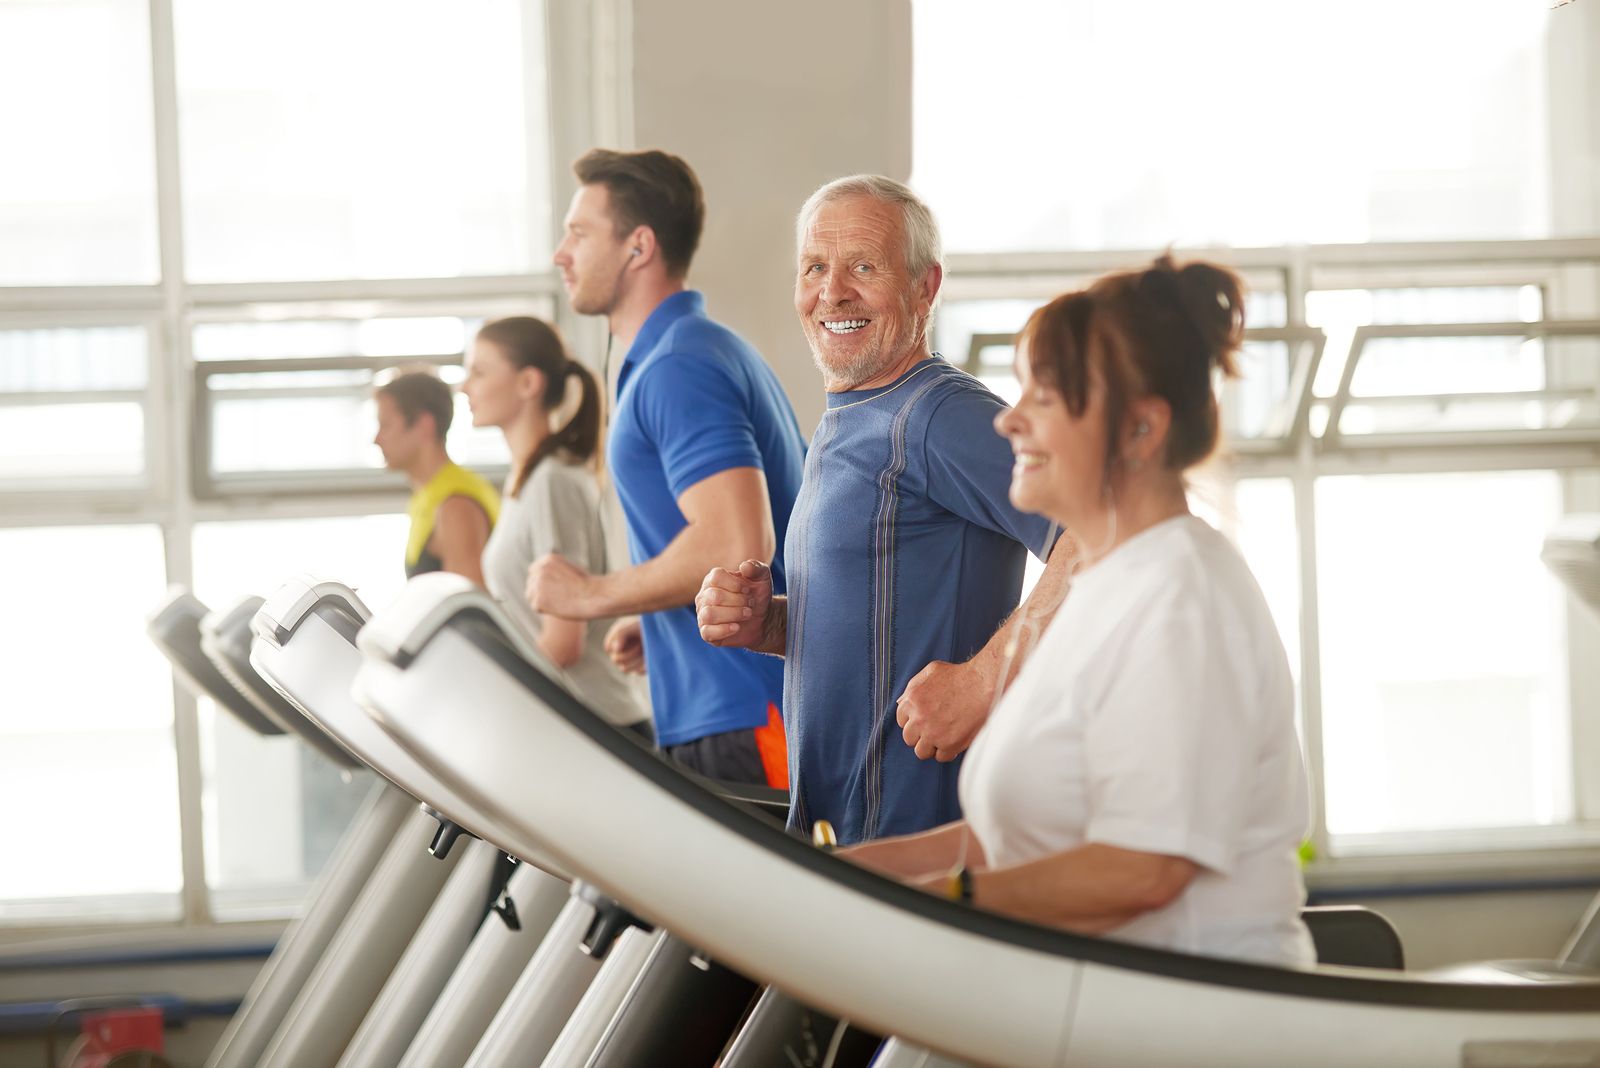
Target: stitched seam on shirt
(883,608)
(885,393)
(799,537)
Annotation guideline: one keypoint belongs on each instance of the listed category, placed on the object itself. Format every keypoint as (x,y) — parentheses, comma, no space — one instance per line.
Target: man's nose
(838,286)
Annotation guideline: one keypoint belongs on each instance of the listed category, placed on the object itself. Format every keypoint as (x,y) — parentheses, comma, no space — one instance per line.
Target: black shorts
(754,755)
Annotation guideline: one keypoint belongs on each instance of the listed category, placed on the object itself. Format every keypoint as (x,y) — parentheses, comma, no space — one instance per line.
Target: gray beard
(842,379)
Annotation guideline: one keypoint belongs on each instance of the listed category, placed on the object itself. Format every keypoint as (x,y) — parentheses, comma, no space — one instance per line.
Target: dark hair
(419,393)
(1158,331)
(530,342)
(650,188)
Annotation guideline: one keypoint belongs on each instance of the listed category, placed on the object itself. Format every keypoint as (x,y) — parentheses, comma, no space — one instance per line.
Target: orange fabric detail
(774,750)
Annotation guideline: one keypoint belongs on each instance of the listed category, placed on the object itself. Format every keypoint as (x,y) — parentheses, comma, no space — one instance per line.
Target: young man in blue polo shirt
(706,455)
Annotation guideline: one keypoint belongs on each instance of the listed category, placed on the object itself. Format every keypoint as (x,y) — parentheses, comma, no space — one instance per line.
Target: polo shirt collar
(669,311)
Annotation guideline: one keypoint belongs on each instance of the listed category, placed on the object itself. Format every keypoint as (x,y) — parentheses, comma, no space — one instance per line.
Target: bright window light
(78,189)
(1059,124)
(86,723)
(363,139)
(274,810)
(1444,694)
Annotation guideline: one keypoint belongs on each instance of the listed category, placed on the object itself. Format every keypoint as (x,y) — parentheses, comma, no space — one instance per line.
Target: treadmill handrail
(467,616)
(429,602)
(281,614)
(227,638)
(178,617)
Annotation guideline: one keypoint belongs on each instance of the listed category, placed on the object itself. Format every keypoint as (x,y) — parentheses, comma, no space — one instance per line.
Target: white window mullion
(170,437)
(1305,516)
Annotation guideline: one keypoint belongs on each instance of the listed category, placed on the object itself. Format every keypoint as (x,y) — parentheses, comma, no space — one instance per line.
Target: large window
(293,398)
(1412,444)
(1444,653)
(408,143)
(1418,402)
(72,405)
(78,191)
(352,188)
(273,808)
(1055,124)
(86,757)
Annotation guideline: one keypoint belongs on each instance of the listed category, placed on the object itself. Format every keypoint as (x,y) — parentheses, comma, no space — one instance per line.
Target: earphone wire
(1026,636)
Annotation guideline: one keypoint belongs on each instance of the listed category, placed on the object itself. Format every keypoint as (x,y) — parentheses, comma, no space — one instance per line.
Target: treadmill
(539,772)
(491,917)
(559,999)
(174,627)
(602,978)
(330,962)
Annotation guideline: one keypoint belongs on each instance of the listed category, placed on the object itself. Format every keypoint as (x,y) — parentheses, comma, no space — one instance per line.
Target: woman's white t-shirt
(1157,714)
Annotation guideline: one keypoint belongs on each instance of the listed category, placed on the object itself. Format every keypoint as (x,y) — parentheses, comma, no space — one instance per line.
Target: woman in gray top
(520,379)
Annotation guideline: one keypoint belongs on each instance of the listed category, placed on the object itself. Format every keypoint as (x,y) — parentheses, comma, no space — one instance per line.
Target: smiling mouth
(845,326)
(1027,461)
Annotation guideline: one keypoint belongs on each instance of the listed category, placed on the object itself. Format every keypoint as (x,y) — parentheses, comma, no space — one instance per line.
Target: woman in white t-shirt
(1141,777)
(521,380)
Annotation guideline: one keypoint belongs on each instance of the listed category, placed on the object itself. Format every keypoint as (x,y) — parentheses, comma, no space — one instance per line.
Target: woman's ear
(1144,432)
(531,384)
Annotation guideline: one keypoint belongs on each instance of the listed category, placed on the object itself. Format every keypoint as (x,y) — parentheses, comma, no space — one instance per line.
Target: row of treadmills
(529,886)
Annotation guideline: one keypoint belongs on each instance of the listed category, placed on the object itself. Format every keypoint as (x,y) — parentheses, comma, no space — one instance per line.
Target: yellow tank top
(452,480)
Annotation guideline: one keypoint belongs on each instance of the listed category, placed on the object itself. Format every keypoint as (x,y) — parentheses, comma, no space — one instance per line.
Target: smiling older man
(904,556)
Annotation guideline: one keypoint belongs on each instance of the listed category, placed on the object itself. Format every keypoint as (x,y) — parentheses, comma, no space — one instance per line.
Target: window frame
(1559,268)
(580,50)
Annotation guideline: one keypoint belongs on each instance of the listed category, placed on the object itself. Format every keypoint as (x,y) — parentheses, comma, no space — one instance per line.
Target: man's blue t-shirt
(695,399)
(904,549)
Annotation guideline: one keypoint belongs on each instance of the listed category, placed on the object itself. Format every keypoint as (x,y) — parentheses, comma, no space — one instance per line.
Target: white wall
(767,102)
(1573,41)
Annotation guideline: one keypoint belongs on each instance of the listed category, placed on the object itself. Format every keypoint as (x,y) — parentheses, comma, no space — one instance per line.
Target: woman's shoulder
(1180,567)
(560,474)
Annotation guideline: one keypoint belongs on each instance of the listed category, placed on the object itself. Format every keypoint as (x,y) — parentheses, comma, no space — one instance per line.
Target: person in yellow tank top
(452,509)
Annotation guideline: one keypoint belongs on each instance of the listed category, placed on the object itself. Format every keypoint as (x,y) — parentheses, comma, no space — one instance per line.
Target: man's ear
(642,246)
(928,289)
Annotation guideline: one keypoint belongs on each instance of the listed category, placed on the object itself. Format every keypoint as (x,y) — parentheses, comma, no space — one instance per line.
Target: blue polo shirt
(904,549)
(695,399)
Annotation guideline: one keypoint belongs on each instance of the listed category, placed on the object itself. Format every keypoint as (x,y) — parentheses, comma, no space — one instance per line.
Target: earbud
(636,252)
(1141,430)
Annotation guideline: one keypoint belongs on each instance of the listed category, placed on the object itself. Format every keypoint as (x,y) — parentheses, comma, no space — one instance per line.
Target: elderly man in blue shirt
(904,554)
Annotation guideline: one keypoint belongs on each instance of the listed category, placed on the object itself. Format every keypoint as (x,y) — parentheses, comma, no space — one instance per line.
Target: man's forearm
(1015,638)
(668,580)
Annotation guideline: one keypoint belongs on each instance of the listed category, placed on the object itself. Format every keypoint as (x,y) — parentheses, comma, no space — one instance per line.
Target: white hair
(922,232)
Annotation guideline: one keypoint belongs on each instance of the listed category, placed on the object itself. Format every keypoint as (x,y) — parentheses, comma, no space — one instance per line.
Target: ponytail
(579,437)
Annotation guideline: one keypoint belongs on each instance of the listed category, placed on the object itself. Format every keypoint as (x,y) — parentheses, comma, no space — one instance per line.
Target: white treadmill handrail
(539,769)
(430,601)
(302,647)
(287,607)
(211,642)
